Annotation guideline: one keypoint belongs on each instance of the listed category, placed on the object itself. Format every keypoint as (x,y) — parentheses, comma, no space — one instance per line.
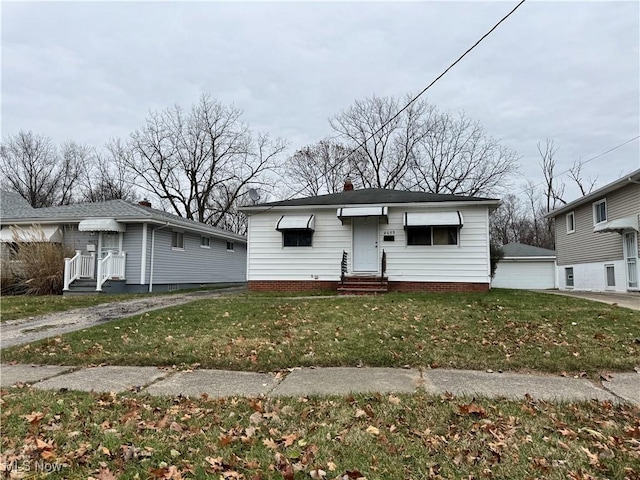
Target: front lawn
(82,435)
(509,330)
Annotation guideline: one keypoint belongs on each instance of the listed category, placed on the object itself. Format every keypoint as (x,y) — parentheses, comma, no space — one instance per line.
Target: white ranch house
(370,240)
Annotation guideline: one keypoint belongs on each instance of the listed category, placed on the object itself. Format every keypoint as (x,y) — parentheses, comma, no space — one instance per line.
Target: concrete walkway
(620,387)
(627,300)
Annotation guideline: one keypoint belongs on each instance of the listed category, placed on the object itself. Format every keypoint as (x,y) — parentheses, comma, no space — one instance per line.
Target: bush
(496,254)
(36,267)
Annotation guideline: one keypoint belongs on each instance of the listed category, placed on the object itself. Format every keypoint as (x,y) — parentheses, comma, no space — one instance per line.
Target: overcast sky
(568,71)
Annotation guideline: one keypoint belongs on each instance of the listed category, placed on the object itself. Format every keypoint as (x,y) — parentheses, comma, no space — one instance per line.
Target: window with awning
(432,228)
(346,213)
(433,219)
(297,230)
(296,222)
(101,225)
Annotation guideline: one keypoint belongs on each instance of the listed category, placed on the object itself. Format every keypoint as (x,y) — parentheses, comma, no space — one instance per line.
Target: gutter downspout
(153,248)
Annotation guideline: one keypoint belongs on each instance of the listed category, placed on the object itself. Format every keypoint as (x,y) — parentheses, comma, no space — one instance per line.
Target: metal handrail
(343,266)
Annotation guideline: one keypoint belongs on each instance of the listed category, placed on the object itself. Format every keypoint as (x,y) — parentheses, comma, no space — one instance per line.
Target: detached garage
(526,267)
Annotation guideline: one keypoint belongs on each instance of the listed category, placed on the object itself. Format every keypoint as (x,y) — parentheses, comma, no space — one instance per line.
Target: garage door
(524,275)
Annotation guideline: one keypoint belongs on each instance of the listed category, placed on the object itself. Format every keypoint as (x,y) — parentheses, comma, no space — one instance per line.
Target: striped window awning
(358,212)
(34,233)
(101,225)
(433,219)
(296,222)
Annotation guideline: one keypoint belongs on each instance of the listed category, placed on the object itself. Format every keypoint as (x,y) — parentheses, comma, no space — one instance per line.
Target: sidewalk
(622,387)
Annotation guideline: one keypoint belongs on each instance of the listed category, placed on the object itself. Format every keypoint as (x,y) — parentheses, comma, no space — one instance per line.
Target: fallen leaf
(373,430)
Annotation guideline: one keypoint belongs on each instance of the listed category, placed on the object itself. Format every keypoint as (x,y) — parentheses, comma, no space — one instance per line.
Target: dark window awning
(101,225)
(433,219)
(34,233)
(359,212)
(618,225)
(296,222)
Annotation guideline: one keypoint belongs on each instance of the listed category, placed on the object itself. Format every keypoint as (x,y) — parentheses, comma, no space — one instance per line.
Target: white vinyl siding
(466,262)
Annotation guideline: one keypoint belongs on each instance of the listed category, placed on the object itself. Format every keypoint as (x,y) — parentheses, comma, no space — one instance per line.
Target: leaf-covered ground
(82,435)
(506,330)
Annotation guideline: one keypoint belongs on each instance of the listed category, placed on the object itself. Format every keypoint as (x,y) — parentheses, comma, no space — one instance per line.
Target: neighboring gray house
(370,240)
(597,238)
(124,246)
(526,267)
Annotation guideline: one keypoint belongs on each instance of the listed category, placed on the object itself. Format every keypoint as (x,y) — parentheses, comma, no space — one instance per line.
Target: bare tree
(199,163)
(26,160)
(32,167)
(553,187)
(107,176)
(586,185)
(420,148)
(320,168)
(383,141)
(457,156)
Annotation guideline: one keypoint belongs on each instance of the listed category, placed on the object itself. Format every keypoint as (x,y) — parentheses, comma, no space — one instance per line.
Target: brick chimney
(145,203)
(348,186)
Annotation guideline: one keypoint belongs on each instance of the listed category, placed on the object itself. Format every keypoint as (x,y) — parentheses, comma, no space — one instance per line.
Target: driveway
(19,332)
(626,300)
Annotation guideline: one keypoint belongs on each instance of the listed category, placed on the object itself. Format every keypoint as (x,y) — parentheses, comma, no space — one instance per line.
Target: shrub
(37,266)
(495,255)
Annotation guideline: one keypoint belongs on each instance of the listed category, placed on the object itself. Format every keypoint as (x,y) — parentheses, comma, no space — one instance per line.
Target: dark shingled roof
(373,196)
(521,250)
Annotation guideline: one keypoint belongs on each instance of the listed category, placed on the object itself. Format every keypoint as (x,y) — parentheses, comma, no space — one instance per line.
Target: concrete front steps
(87,286)
(363,285)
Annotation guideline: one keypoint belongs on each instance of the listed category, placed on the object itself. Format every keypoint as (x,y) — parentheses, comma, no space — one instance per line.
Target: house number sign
(388,232)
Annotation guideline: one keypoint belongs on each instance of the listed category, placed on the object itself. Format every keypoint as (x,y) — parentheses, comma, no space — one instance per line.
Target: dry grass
(37,267)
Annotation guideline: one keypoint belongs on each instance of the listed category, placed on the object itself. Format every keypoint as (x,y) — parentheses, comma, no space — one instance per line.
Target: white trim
(606,277)
(573,221)
(593,209)
(143,255)
(257,209)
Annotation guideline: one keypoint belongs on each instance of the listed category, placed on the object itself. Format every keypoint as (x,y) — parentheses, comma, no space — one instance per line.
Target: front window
(432,235)
(600,211)
(297,238)
(177,240)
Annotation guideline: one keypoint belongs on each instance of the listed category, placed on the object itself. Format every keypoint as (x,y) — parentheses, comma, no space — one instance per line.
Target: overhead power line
(422,92)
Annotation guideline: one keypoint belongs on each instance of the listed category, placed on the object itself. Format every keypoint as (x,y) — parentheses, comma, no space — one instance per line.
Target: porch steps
(363,285)
(88,287)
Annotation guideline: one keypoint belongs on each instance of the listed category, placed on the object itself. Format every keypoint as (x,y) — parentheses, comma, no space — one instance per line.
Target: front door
(631,259)
(109,242)
(365,244)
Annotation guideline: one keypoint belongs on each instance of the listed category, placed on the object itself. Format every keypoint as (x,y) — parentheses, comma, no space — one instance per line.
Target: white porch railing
(80,266)
(111,267)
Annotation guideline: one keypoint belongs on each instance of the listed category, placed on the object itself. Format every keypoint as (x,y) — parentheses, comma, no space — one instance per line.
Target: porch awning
(354,212)
(34,233)
(617,225)
(101,225)
(296,222)
(433,219)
